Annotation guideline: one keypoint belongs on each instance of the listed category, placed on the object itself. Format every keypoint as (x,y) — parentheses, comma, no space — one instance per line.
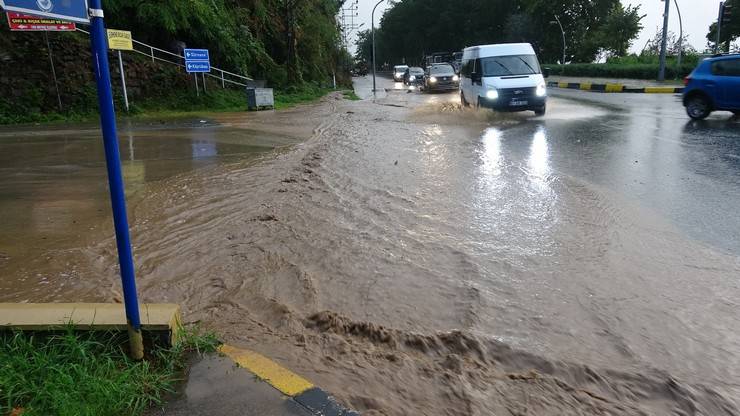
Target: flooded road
(414,258)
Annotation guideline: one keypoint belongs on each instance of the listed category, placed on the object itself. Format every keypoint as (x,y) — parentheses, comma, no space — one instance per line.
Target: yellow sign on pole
(120,40)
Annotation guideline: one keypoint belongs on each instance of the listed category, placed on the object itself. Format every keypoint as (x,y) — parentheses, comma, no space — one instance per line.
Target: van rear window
(502,66)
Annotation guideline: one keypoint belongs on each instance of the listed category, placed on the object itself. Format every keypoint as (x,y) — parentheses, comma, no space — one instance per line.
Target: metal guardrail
(151,53)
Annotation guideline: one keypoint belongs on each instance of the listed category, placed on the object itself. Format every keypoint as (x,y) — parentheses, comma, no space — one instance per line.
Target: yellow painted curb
(562,85)
(660,90)
(586,86)
(277,376)
(614,87)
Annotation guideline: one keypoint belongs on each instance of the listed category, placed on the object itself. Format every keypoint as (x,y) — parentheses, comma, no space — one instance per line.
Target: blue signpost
(78,11)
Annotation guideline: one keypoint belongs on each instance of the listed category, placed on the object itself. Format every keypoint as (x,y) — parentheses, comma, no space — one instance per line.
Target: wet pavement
(415,258)
(216,386)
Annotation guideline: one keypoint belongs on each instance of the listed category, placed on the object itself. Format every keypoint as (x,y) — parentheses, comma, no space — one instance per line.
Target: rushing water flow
(481,260)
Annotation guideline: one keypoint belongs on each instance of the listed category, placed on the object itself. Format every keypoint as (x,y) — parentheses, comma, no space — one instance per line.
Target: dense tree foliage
(413,28)
(730,30)
(284,41)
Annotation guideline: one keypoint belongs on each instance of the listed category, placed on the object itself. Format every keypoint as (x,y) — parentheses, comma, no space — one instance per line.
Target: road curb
(614,88)
(161,319)
(314,399)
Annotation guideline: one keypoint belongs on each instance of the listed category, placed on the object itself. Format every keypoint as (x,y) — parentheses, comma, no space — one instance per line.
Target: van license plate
(518,103)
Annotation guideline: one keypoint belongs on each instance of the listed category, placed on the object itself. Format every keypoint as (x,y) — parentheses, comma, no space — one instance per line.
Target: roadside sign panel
(120,40)
(19,22)
(197,60)
(198,66)
(197,55)
(70,10)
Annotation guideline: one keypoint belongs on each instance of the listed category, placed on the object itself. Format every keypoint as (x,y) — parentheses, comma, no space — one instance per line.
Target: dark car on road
(413,76)
(441,77)
(713,86)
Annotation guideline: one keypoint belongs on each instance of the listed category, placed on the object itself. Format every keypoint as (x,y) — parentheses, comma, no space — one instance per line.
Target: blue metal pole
(101,69)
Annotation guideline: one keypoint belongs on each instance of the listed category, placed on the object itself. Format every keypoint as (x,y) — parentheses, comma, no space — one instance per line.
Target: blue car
(713,86)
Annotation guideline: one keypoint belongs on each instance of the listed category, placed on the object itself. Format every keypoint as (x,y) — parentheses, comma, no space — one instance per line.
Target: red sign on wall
(25,22)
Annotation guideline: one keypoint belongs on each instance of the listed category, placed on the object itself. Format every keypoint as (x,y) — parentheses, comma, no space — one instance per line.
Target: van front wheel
(540,111)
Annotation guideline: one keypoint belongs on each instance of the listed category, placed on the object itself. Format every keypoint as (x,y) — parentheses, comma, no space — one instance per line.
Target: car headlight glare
(433,79)
(492,94)
(412,78)
(455,78)
(541,90)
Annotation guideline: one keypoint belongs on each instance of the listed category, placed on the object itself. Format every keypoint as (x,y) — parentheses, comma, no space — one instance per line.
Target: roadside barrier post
(123,81)
(101,69)
(53,71)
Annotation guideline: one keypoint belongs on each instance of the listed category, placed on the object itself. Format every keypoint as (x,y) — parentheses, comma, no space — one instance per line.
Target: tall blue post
(101,69)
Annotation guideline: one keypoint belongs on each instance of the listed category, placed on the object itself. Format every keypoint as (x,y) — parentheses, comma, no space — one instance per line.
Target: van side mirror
(475,77)
(546,72)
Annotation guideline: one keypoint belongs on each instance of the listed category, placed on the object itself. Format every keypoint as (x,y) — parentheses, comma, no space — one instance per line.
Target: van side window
(727,68)
(466,69)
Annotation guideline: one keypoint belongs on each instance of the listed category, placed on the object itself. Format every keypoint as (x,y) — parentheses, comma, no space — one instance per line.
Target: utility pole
(680,36)
(664,42)
(372,30)
(557,20)
(719,26)
(725,13)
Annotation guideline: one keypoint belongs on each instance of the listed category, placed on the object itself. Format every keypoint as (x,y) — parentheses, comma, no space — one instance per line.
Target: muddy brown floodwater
(410,257)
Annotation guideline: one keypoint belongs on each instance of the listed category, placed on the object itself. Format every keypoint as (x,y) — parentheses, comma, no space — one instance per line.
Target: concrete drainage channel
(615,88)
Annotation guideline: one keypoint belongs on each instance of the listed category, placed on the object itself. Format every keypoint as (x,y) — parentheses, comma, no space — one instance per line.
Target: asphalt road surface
(413,257)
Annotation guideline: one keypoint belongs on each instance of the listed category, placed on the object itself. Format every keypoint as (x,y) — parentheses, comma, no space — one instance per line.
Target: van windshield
(502,66)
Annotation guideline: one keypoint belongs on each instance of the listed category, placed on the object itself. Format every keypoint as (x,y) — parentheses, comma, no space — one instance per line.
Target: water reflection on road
(53,185)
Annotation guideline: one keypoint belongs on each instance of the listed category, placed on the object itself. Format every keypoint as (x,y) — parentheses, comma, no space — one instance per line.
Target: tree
(673,44)
(730,30)
(619,30)
(364,43)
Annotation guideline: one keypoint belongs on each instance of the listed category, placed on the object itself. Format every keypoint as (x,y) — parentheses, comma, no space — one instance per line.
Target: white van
(398,72)
(503,77)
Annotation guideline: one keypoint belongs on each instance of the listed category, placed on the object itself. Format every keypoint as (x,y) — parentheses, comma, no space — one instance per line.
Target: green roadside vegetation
(350,95)
(177,104)
(644,66)
(89,373)
(294,48)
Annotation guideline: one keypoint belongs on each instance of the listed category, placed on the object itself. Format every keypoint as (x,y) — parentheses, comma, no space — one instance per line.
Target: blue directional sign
(70,10)
(197,55)
(198,66)
(197,60)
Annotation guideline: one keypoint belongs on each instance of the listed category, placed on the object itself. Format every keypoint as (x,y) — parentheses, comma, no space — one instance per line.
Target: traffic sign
(197,60)
(197,55)
(70,10)
(120,40)
(19,22)
(198,66)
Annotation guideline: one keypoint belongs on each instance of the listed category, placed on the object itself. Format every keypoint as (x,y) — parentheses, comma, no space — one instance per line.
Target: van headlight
(433,79)
(412,78)
(455,78)
(541,90)
(492,94)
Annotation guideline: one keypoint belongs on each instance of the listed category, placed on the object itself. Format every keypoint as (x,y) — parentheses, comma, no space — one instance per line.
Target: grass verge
(177,104)
(350,95)
(88,373)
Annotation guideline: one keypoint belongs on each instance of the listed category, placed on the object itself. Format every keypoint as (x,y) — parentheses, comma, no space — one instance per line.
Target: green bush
(629,71)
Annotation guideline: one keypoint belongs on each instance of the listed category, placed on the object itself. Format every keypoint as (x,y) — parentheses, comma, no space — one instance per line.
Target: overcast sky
(697,16)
